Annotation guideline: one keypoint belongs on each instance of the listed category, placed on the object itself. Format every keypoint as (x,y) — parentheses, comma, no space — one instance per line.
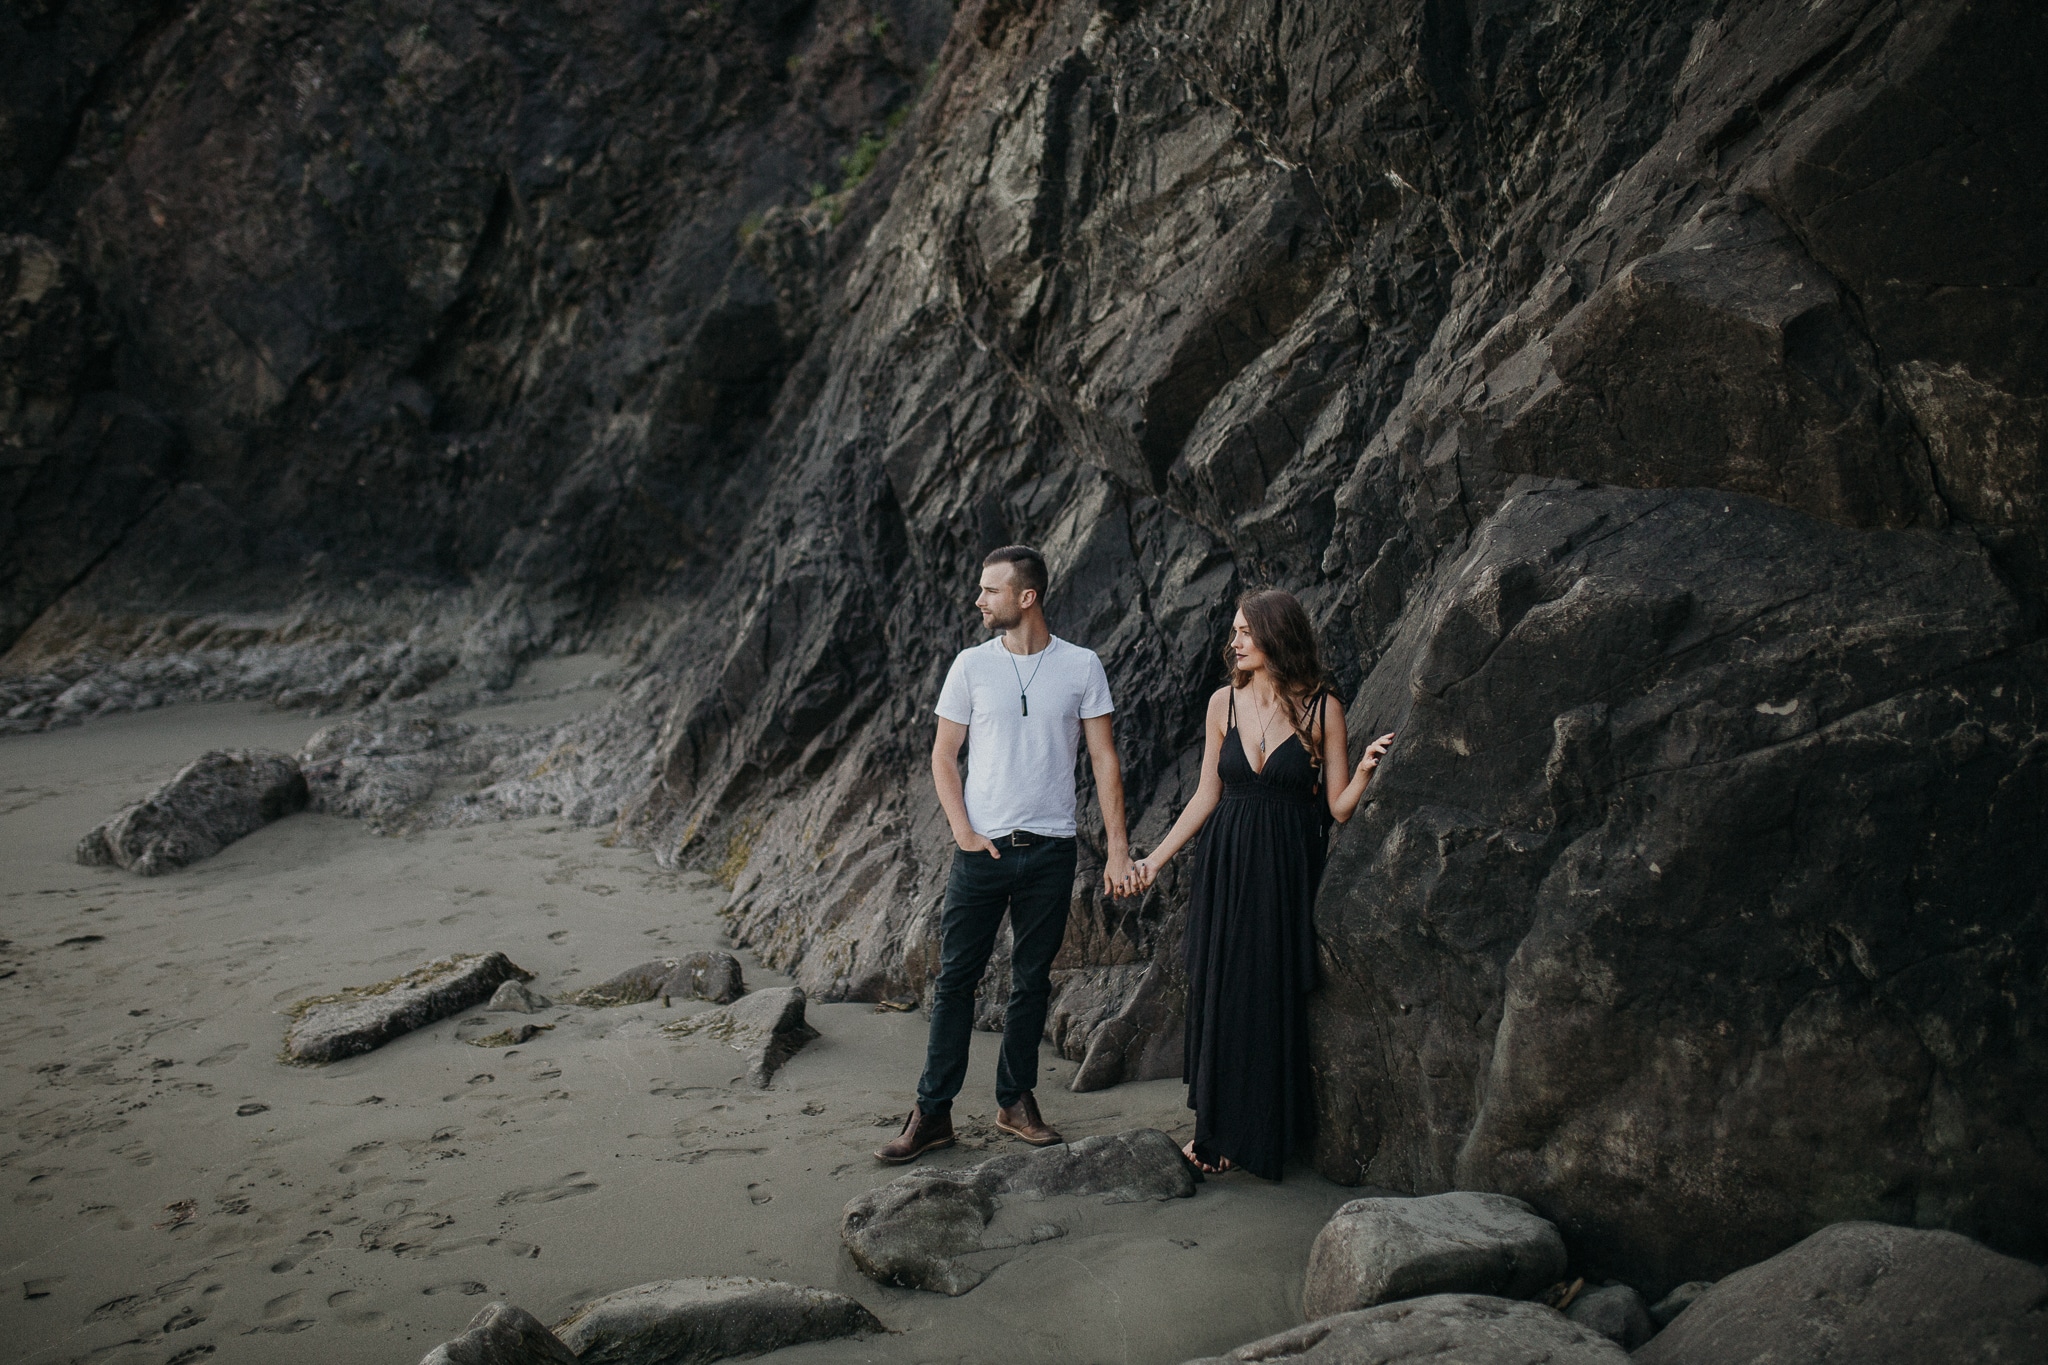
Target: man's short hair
(1025,562)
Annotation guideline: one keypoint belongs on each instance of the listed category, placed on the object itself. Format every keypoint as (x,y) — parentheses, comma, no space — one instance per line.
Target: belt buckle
(1016,842)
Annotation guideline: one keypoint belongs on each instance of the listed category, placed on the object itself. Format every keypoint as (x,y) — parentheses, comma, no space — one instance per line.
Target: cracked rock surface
(713,976)
(924,1230)
(502,1335)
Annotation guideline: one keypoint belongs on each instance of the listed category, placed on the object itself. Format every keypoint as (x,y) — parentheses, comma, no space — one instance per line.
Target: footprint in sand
(467,1288)
(564,1187)
(758,1194)
(222,1057)
(312,1242)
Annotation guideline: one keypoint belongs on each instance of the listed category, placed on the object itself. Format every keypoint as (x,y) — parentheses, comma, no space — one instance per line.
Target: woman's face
(1250,658)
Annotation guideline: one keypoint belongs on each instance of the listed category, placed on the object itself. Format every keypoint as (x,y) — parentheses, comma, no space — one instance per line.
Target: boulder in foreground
(502,1335)
(330,1027)
(514,995)
(768,1026)
(1470,1329)
(712,976)
(1616,1312)
(1867,1293)
(689,1321)
(1373,1251)
(912,1231)
(213,801)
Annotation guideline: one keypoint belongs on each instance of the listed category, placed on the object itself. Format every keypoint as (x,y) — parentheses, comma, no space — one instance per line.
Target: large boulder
(502,1335)
(1699,900)
(1470,1329)
(914,1230)
(713,976)
(1376,1250)
(213,801)
(1870,1294)
(329,1027)
(1616,1312)
(767,1026)
(693,1321)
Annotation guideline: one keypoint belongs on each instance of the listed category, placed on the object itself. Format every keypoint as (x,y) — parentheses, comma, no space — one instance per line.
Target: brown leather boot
(921,1133)
(1022,1120)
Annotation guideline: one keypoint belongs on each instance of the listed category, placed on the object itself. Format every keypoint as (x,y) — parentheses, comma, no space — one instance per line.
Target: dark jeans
(1035,885)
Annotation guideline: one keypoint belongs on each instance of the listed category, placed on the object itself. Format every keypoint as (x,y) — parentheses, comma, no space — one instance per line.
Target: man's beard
(997,621)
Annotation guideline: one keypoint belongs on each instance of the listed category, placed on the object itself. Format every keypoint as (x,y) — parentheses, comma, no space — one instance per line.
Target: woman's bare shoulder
(1219,700)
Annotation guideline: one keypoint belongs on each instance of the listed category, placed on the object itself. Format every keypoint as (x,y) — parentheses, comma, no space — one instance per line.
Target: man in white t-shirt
(1021,704)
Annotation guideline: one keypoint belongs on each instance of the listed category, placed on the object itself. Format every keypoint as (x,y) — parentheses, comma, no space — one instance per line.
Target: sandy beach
(175,1193)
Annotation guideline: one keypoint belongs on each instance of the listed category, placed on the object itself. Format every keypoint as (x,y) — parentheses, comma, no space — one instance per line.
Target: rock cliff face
(1647,400)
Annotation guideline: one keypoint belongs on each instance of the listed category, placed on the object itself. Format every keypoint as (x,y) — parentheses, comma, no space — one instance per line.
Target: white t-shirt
(1020,768)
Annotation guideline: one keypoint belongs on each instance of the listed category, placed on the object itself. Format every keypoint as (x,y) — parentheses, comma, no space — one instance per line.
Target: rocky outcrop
(1866,1292)
(767,1027)
(517,997)
(213,801)
(329,1027)
(1648,403)
(916,1231)
(690,1322)
(1373,1251)
(502,1335)
(713,976)
(1471,1329)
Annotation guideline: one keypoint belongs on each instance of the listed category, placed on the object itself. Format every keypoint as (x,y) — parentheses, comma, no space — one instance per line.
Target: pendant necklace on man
(1024,688)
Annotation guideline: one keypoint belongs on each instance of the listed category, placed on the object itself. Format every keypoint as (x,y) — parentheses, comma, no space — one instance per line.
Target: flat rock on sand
(502,1335)
(328,1028)
(1868,1293)
(213,801)
(1470,1329)
(712,976)
(768,1026)
(912,1231)
(685,1322)
(1373,1251)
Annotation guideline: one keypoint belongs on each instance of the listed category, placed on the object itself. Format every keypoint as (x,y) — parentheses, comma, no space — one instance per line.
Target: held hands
(1116,875)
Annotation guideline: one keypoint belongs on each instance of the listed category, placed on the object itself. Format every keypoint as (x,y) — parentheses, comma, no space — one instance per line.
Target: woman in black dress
(1274,775)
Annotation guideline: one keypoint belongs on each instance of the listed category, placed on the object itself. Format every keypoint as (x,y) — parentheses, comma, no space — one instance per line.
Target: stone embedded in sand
(514,995)
(1471,1329)
(712,976)
(1373,1251)
(1616,1312)
(1869,1293)
(912,1231)
(328,1028)
(502,1335)
(685,1322)
(768,1026)
(213,801)
(510,1037)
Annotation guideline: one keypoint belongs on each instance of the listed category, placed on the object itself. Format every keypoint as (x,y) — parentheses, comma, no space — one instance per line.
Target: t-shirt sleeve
(956,698)
(1095,691)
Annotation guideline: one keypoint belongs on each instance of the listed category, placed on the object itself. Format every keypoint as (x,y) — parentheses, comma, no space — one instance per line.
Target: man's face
(999,602)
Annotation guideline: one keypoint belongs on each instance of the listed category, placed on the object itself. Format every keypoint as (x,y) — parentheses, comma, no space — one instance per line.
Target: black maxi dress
(1251,956)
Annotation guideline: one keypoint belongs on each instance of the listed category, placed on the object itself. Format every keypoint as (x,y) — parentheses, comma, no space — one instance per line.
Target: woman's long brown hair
(1281,630)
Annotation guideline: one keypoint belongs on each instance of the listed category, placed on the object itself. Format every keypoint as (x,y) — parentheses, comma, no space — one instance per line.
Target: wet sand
(171,1192)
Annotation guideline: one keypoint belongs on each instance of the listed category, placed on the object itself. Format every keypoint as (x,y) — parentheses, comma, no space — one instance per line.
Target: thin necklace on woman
(1265,726)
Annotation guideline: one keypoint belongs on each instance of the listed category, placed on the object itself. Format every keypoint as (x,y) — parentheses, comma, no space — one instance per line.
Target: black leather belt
(1024,838)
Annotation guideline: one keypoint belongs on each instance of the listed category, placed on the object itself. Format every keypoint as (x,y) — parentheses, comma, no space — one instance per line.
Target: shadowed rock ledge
(1648,401)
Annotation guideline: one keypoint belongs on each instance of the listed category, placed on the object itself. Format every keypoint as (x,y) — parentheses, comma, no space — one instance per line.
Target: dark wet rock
(213,801)
(517,996)
(330,1027)
(1868,1293)
(502,1335)
(1471,1329)
(713,976)
(691,1321)
(918,1230)
(767,1026)
(1616,1312)
(1376,1250)
(1627,719)
(1677,1301)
